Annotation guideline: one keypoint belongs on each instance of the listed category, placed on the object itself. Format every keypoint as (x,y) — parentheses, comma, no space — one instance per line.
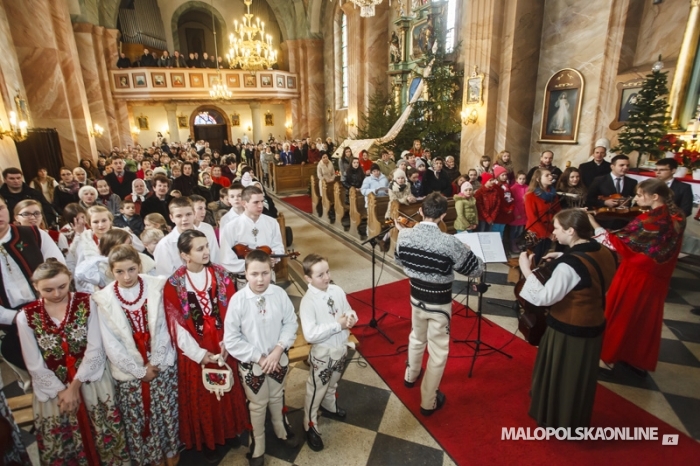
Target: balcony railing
(195,83)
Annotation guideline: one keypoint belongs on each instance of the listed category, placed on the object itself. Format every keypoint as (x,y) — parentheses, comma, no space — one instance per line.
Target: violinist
(566,369)
(648,247)
(541,203)
(616,185)
(253,229)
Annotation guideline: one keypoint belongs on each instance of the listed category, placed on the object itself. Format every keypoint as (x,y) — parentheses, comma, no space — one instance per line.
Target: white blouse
(185,341)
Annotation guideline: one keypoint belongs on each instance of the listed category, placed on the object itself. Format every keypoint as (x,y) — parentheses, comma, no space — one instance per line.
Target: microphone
(575,196)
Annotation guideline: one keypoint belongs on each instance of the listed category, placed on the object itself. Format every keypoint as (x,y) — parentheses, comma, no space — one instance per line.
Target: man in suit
(595,168)
(614,183)
(682,192)
(120,179)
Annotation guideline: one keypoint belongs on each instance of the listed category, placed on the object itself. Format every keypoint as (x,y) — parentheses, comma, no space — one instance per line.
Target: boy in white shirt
(259,328)
(200,213)
(326,317)
(234,198)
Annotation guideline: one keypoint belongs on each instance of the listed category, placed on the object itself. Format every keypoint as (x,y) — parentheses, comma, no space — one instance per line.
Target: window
(204,119)
(450,26)
(344,60)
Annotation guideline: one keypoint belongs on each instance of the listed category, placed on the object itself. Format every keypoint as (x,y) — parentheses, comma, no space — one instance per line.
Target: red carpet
(469,426)
(302,203)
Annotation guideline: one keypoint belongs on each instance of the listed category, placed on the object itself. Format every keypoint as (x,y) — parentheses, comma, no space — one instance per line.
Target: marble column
(48,59)
(171,111)
(258,122)
(10,83)
(684,66)
(306,60)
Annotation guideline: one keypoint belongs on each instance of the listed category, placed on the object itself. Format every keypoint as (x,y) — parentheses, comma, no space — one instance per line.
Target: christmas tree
(648,119)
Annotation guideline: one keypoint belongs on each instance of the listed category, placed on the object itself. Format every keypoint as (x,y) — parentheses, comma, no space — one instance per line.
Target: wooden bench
(358,211)
(316,205)
(448,222)
(342,210)
(22,410)
(291,178)
(328,199)
(377,207)
(282,267)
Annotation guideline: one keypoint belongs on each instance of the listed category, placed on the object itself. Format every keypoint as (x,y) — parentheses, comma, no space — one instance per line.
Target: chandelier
(18,128)
(218,90)
(250,48)
(367,6)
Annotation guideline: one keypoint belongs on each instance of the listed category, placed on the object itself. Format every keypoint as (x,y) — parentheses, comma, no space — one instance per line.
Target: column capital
(170,107)
(254,105)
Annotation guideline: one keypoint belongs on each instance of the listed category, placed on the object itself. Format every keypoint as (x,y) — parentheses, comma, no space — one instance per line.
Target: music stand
(489,248)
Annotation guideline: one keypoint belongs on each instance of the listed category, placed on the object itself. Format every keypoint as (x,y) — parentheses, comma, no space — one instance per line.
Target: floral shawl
(656,233)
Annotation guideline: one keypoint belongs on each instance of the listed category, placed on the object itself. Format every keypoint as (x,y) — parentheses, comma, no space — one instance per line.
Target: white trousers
(325,368)
(431,328)
(263,392)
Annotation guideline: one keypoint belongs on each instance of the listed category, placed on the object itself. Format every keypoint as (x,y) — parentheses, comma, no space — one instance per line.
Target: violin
(405,221)
(620,211)
(242,252)
(532,320)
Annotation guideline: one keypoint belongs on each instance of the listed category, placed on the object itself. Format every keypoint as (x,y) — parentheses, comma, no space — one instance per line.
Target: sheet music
(488,246)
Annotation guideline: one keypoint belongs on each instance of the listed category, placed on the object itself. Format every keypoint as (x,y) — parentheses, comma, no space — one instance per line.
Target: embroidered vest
(62,346)
(24,248)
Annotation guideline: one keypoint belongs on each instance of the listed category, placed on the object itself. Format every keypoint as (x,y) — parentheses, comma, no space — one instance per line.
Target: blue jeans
(499,227)
(515,232)
(483,226)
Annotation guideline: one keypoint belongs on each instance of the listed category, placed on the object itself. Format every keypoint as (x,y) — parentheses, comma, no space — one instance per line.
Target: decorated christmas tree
(648,119)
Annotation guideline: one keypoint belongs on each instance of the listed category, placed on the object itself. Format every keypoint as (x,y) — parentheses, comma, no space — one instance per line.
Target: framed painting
(422,38)
(280,82)
(266,80)
(250,81)
(475,88)
(121,81)
(183,122)
(269,119)
(140,80)
(142,122)
(627,92)
(177,79)
(212,79)
(235,119)
(158,80)
(291,82)
(196,80)
(561,108)
(233,80)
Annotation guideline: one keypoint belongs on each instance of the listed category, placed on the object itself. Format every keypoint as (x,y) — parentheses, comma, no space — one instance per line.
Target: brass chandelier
(250,48)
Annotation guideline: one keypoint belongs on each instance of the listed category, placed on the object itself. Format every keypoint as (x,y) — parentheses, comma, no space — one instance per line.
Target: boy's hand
(343,321)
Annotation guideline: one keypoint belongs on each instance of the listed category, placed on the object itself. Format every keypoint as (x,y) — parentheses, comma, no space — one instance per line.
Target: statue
(394,48)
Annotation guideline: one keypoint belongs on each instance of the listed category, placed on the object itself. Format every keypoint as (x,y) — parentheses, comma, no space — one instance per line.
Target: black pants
(11,348)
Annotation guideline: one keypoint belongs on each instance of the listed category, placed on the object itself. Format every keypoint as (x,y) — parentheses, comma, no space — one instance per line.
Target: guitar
(242,251)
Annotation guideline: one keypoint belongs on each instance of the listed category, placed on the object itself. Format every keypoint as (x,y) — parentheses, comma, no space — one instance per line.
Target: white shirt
(167,256)
(319,324)
(19,291)
(240,231)
(622,181)
(230,216)
(45,383)
(249,333)
(564,279)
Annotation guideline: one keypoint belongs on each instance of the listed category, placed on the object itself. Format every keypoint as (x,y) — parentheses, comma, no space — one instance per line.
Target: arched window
(450,26)
(204,119)
(344,60)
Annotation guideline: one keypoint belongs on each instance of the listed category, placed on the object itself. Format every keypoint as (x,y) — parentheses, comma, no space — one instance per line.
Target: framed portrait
(142,122)
(561,108)
(183,122)
(475,88)
(280,82)
(158,80)
(177,79)
(422,38)
(233,80)
(140,80)
(212,79)
(627,92)
(121,81)
(249,80)
(235,119)
(269,119)
(266,80)
(196,80)
(291,82)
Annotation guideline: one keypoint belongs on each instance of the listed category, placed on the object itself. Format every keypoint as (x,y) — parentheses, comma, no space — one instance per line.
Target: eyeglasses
(30,214)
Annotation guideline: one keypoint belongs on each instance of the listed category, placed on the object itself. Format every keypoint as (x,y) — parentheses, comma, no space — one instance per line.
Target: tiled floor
(379,430)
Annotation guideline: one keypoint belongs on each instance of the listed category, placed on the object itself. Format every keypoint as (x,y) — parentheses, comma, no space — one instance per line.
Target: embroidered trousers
(325,368)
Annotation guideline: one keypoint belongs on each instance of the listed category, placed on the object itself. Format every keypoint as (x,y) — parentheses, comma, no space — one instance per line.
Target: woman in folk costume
(196,298)
(141,358)
(76,419)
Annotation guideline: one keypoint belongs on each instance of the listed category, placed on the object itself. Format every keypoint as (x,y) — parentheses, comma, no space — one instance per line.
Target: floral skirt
(17,453)
(163,440)
(59,436)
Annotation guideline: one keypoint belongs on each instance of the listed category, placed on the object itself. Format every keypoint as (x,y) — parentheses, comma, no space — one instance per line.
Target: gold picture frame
(183,122)
(266,80)
(233,80)
(269,119)
(561,108)
(475,88)
(196,80)
(121,81)
(177,79)
(235,119)
(249,80)
(140,80)
(158,80)
(142,122)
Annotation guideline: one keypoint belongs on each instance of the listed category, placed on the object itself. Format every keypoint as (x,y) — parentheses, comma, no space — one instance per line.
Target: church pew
(21,408)
(447,224)
(282,267)
(358,211)
(376,210)
(342,210)
(328,199)
(291,178)
(316,205)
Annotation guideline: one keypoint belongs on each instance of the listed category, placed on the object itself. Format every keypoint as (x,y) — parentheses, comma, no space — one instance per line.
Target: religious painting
(196,80)
(266,80)
(422,38)
(627,93)
(235,119)
(140,80)
(475,88)
(183,122)
(232,80)
(249,80)
(291,82)
(177,79)
(213,79)
(280,82)
(142,121)
(269,119)
(158,79)
(121,81)
(561,108)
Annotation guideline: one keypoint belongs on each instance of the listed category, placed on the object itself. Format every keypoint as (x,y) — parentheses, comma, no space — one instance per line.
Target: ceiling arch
(200,7)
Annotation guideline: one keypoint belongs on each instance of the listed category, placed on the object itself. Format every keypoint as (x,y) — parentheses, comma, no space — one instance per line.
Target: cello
(532,320)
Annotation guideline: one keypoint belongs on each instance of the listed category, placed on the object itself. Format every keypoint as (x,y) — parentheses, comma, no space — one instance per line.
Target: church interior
(97,80)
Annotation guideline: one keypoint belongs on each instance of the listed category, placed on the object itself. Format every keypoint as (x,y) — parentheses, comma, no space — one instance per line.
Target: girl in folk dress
(141,358)
(196,299)
(77,421)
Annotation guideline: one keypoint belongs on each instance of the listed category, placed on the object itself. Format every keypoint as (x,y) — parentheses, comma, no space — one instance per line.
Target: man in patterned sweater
(429,257)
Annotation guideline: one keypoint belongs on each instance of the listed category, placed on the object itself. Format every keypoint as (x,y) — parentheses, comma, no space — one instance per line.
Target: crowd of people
(175,60)
(135,288)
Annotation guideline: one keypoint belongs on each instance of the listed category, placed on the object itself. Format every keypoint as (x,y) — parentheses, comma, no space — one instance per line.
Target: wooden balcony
(195,83)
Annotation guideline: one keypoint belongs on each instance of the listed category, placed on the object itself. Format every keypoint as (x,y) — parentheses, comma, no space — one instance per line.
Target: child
(505,213)
(128,218)
(259,328)
(203,218)
(196,299)
(325,317)
(488,202)
(503,159)
(416,183)
(484,166)
(518,191)
(400,190)
(473,178)
(234,198)
(150,237)
(141,358)
(75,217)
(156,221)
(465,205)
(76,418)
(575,192)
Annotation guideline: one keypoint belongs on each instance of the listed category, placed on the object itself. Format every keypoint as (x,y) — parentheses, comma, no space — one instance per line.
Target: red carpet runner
(302,203)
(469,426)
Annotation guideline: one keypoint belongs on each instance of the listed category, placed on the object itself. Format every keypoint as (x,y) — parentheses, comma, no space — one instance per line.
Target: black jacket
(124,63)
(154,205)
(591,170)
(135,223)
(682,196)
(12,199)
(440,182)
(354,177)
(185,184)
(604,186)
(122,189)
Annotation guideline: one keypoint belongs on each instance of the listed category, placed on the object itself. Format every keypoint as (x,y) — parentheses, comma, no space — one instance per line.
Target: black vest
(25,249)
